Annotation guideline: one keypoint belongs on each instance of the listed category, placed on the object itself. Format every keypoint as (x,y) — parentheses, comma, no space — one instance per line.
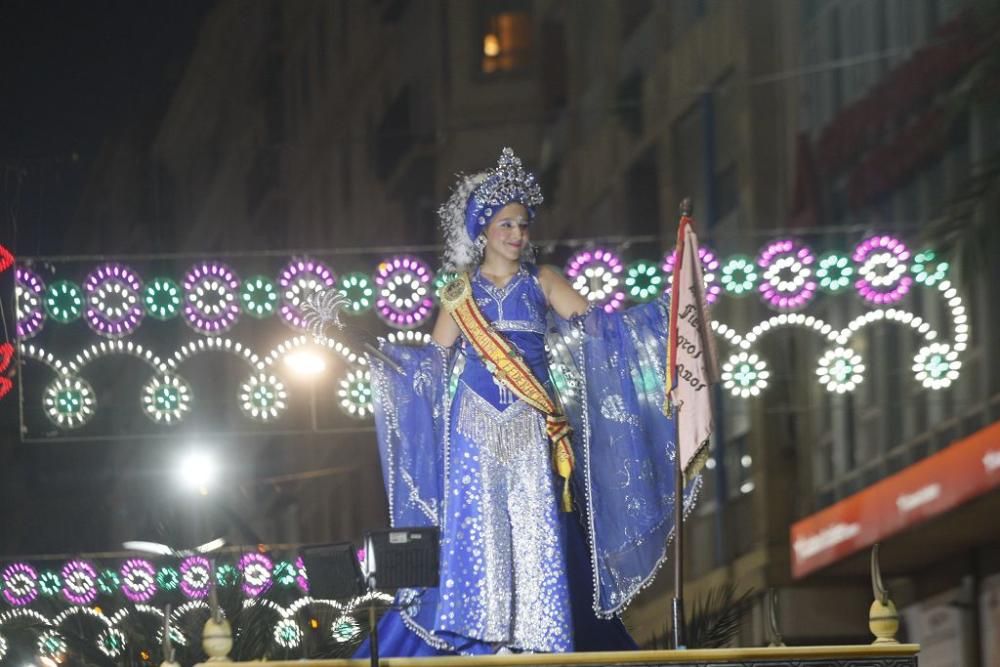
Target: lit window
(506,42)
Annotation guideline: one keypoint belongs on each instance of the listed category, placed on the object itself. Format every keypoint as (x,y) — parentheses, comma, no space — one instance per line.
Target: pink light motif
(302,579)
(20,584)
(256,569)
(211,301)
(787,281)
(79,582)
(596,274)
(403,291)
(138,580)
(114,307)
(30,314)
(882,270)
(298,280)
(196,577)
(709,268)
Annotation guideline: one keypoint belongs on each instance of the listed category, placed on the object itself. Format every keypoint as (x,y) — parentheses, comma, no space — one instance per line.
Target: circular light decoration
(20,584)
(287,633)
(643,280)
(840,370)
(49,583)
(834,272)
(739,275)
(227,575)
(440,280)
(108,582)
(927,269)
(210,301)
(403,292)
(3,642)
(196,577)
(162,298)
(111,641)
(302,580)
(409,338)
(936,366)
(263,397)
(113,307)
(51,645)
(64,301)
(709,267)
(882,266)
(355,394)
(256,569)
(79,582)
(166,399)
(168,579)
(344,629)
(745,374)
(259,297)
(298,281)
(788,282)
(69,401)
(28,291)
(138,580)
(596,275)
(566,384)
(359,290)
(284,573)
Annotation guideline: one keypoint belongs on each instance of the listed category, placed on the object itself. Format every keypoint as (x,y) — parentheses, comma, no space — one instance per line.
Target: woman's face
(508,232)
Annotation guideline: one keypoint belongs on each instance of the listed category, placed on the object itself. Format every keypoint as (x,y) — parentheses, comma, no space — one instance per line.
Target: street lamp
(305,363)
(196,471)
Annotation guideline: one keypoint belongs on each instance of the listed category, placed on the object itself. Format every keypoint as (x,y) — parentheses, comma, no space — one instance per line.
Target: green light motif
(643,280)
(834,272)
(64,301)
(227,575)
(739,275)
(259,297)
(108,582)
(359,290)
(168,579)
(49,583)
(284,573)
(162,298)
(927,269)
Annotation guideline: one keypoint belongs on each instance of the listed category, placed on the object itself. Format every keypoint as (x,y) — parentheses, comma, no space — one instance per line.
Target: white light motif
(745,375)
(69,402)
(355,394)
(840,370)
(287,633)
(936,366)
(166,399)
(263,397)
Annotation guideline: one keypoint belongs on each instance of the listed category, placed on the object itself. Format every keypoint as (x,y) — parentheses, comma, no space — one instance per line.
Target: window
(505,39)
(642,195)
(630,103)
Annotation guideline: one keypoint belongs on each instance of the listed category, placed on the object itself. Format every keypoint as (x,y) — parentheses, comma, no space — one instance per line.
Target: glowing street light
(305,363)
(196,471)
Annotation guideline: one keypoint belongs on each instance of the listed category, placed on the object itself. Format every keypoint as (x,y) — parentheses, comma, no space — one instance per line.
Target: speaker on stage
(402,558)
(333,571)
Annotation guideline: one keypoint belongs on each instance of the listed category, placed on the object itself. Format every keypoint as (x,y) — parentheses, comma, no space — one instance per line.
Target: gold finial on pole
(883,619)
(217,635)
(687,207)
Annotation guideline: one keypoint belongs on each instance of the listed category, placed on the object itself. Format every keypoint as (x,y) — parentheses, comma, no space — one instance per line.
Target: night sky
(74,72)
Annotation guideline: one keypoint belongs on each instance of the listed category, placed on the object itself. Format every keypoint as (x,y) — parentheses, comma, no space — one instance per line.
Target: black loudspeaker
(403,557)
(333,571)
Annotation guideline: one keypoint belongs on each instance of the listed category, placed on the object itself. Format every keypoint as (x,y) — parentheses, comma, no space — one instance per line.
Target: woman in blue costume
(461,451)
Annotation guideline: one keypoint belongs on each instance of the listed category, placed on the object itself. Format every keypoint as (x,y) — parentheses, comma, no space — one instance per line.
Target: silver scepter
(321,310)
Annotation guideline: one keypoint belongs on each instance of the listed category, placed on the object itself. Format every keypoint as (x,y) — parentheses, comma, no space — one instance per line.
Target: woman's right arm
(445,330)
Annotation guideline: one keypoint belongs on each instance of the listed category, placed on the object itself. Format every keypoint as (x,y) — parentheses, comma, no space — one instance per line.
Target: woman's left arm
(562,298)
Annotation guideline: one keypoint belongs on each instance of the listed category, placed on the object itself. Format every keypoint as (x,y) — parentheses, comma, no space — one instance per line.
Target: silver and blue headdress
(476,199)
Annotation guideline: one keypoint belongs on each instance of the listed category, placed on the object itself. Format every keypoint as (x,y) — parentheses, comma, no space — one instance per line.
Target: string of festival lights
(786,275)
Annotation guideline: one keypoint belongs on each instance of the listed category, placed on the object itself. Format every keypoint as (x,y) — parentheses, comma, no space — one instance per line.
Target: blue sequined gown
(460,452)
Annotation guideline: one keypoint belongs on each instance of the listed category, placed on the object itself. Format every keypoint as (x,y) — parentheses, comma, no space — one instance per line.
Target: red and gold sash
(505,363)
